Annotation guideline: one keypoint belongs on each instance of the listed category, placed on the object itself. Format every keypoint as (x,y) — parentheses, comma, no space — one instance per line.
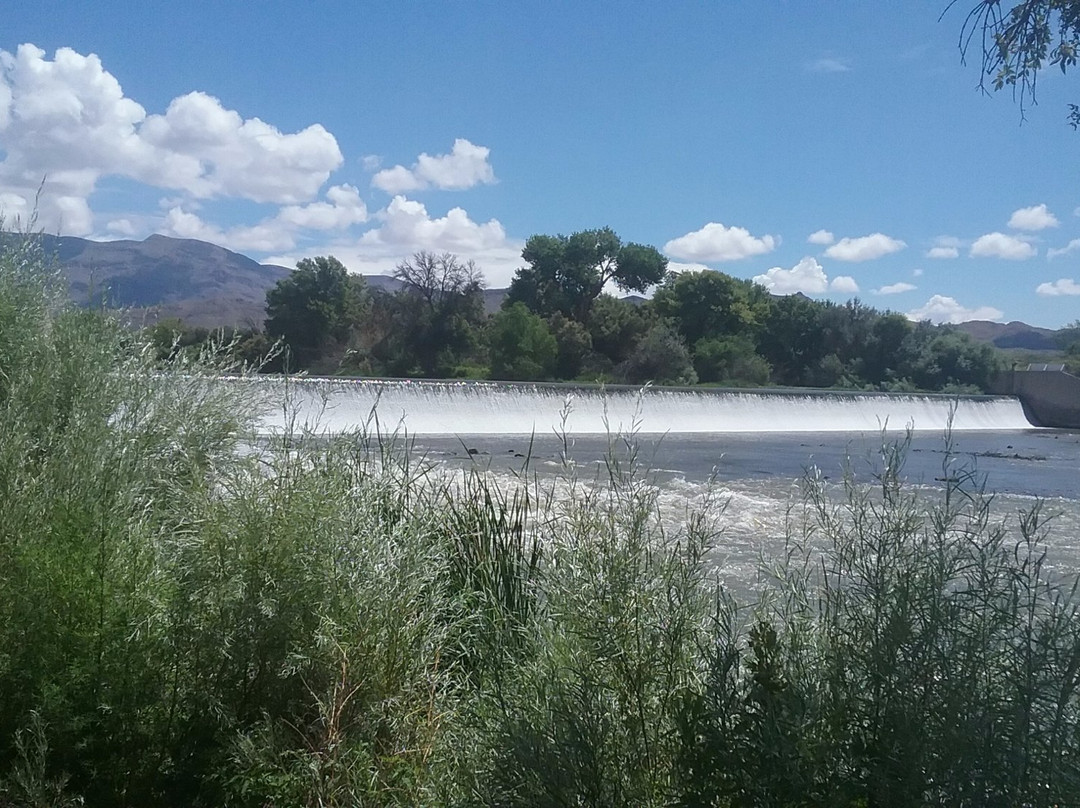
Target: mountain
(1011,335)
(161,277)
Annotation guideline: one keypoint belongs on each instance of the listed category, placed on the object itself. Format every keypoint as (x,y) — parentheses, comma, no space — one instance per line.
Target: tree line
(558,322)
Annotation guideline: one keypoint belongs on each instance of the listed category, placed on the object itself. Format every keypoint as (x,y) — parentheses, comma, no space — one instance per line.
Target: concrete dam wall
(1049,397)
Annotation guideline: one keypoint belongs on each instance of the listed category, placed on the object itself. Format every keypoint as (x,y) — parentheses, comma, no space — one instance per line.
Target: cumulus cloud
(807,277)
(1037,217)
(821,237)
(895,288)
(945,247)
(864,248)
(342,209)
(1072,246)
(1062,286)
(1001,245)
(67,119)
(466,165)
(942,309)
(943,252)
(714,242)
(121,227)
(844,284)
(405,227)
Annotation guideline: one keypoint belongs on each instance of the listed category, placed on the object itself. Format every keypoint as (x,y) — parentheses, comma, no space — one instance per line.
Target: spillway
(492,408)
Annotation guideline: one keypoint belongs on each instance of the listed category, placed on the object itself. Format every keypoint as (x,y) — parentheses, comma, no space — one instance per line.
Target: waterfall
(474,408)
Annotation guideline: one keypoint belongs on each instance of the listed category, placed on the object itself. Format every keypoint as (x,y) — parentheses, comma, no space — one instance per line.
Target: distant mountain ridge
(162,277)
(207,285)
(1014,334)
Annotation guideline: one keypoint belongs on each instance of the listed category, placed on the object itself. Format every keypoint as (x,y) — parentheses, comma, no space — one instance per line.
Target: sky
(841,149)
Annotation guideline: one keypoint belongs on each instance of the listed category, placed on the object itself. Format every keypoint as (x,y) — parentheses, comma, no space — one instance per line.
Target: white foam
(490,408)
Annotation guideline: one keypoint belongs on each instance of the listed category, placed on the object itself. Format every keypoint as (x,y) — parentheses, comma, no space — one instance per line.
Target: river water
(739,455)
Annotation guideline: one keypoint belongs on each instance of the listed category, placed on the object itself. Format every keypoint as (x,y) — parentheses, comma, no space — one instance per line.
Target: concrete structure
(1049,397)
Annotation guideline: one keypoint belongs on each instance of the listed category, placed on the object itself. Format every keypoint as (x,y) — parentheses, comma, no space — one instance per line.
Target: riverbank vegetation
(557,323)
(192,617)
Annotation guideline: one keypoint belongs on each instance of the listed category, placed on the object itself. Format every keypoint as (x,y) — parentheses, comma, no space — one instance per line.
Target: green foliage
(315,309)
(710,304)
(662,357)
(617,326)
(173,340)
(566,273)
(574,345)
(1019,42)
(730,359)
(431,324)
(521,344)
(193,616)
(938,358)
(790,337)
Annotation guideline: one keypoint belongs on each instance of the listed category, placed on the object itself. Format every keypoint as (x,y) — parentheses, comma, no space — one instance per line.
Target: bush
(521,344)
(660,357)
(191,615)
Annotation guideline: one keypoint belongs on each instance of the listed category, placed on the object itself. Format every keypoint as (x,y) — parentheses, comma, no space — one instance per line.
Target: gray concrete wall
(1050,398)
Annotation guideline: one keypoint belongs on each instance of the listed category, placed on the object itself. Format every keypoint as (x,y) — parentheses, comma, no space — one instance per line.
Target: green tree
(315,309)
(521,344)
(617,326)
(790,338)
(1018,42)
(730,359)
(566,273)
(574,346)
(710,304)
(660,357)
(434,320)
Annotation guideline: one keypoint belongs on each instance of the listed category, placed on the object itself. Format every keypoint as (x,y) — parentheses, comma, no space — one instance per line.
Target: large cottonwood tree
(565,274)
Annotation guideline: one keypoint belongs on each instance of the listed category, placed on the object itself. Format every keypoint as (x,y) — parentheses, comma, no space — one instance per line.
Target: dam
(506,408)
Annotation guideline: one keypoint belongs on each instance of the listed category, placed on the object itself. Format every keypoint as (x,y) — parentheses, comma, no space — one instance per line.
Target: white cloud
(945,247)
(1072,246)
(864,248)
(1037,217)
(829,64)
(406,227)
(1062,286)
(121,227)
(714,242)
(371,162)
(821,237)
(941,309)
(342,209)
(943,252)
(895,288)
(1001,245)
(916,273)
(807,277)
(844,284)
(68,119)
(466,165)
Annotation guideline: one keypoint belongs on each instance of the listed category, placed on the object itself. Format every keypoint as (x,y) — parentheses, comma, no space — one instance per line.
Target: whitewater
(497,408)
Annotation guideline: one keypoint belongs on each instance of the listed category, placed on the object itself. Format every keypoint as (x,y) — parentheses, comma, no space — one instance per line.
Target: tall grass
(193,616)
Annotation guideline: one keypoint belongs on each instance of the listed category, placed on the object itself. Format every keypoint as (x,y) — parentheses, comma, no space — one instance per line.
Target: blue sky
(840,149)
